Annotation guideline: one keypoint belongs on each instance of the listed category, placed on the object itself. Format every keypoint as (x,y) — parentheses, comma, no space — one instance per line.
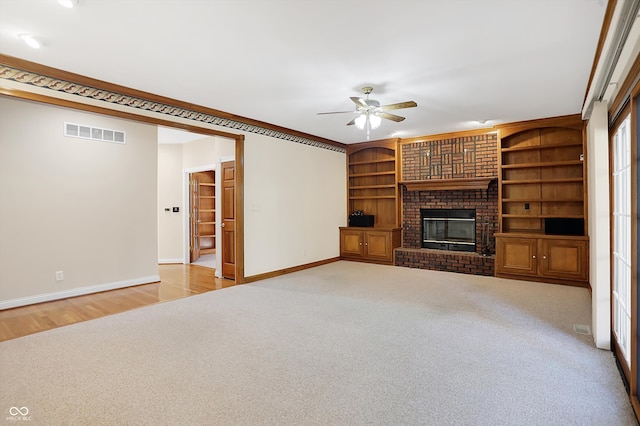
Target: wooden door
(351,244)
(194,244)
(516,256)
(378,245)
(565,259)
(228,218)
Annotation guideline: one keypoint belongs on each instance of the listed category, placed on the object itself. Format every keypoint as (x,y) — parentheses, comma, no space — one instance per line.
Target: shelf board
(372,187)
(532,181)
(391,173)
(207,210)
(537,147)
(542,216)
(207,236)
(543,164)
(384,160)
(540,200)
(207,184)
(206,223)
(448,184)
(375,197)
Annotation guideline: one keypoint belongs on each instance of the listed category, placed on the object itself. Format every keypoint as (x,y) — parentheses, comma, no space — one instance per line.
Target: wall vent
(87,132)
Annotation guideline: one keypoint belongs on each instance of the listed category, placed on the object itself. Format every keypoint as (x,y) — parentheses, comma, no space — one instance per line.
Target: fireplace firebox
(449,229)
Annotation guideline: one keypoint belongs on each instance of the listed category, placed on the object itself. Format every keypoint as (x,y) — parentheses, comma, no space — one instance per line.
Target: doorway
(202,218)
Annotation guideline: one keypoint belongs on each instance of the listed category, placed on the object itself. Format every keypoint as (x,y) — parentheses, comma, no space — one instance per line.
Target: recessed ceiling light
(30,40)
(67,3)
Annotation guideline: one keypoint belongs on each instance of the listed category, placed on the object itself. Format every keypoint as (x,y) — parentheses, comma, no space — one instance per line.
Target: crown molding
(37,75)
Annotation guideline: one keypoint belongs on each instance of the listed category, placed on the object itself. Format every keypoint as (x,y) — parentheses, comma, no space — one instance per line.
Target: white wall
(83,207)
(170,181)
(294,202)
(598,213)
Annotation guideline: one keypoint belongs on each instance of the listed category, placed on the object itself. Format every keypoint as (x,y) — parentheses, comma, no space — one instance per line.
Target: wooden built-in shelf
(541,202)
(372,182)
(448,184)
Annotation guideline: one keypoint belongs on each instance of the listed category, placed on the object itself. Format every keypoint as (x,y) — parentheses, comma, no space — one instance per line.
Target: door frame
(186,203)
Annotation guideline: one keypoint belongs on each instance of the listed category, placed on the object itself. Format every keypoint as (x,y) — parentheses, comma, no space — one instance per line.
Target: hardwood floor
(176,281)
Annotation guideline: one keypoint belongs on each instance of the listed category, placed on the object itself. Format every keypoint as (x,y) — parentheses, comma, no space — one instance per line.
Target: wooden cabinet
(562,260)
(369,244)
(542,201)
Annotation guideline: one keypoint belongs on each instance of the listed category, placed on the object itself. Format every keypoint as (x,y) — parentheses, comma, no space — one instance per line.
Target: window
(621,288)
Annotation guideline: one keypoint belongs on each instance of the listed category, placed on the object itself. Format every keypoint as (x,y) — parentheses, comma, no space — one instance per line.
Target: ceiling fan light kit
(370,112)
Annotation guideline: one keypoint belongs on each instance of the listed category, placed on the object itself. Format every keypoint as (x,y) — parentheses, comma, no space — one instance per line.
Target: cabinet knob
(544,257)
(533,256)
(366,244)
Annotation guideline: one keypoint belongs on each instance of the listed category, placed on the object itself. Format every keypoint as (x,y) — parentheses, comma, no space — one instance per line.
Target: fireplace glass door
(449,229)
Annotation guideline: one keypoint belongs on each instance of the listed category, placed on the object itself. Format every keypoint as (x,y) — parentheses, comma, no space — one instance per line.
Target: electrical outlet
(59,275)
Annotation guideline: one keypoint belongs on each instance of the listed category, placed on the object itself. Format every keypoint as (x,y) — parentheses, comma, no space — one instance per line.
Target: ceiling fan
(370,112)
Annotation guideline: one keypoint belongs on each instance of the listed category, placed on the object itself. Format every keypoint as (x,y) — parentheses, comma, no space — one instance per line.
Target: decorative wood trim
(545,280)
(481,183)
(624,93)
(20,94)
(30,73)
(606,23)
(254,278)
(382,143)
(635,320)
(573,121)
(450,135)
(239,206)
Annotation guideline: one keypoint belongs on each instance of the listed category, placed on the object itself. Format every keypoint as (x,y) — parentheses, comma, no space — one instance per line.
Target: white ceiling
(283,61)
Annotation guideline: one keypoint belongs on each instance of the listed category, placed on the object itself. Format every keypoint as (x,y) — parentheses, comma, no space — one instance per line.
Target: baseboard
(285,271)
(81,291)
(170,261)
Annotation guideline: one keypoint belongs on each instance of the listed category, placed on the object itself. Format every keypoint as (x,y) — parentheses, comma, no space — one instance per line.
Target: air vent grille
(95,133)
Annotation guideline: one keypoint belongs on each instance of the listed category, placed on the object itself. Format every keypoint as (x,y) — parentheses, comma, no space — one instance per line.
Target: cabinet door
(378,245)
(565,259)
(351,243)
(516,256)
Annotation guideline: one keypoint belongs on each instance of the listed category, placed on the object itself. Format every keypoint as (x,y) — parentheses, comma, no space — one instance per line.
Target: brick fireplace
(451,173)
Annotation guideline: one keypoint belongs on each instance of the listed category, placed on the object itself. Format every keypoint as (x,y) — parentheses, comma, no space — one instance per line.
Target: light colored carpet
(344,343)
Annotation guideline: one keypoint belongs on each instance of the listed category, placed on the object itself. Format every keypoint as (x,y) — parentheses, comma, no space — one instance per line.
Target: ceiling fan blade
(399,105)
(359,102)
(352,122)
(336,112)
(391,117)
